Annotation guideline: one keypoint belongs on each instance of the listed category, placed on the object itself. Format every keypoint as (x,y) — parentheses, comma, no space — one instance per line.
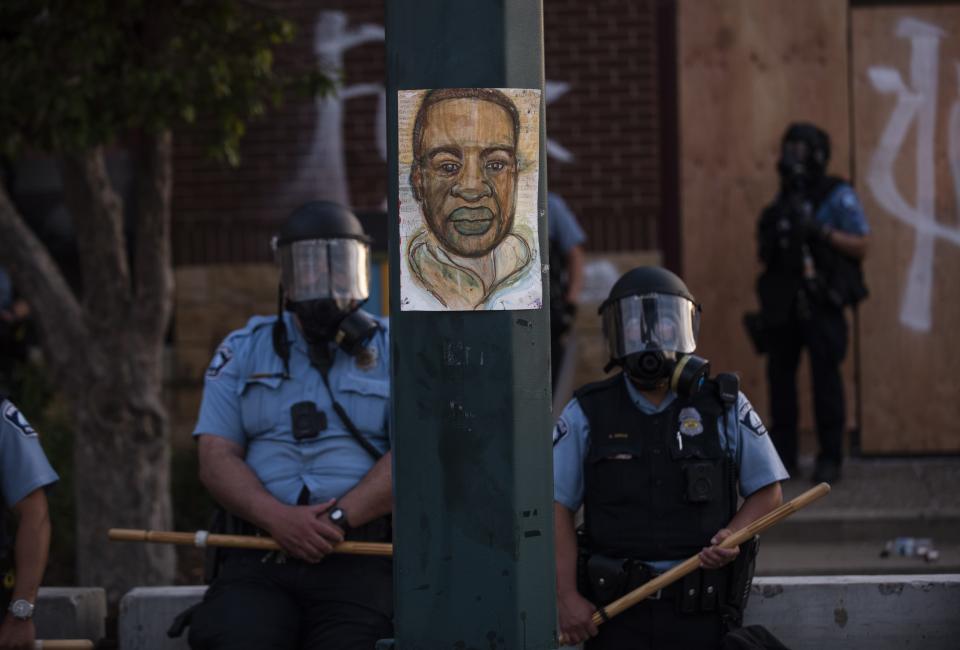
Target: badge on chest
(690,422)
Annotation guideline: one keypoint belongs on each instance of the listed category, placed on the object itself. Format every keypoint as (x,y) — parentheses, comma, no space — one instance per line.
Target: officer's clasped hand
(714,557)
(304,532)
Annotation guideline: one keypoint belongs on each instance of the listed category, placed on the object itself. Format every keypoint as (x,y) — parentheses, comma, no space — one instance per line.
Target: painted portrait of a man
(469,250)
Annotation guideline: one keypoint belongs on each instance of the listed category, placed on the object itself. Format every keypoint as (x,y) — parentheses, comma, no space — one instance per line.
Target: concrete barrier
(859,612)
(71,613)
(885,612)
(147,612)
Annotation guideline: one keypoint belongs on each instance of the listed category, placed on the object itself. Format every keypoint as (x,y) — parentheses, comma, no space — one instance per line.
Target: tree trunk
(105,352)
(121,461)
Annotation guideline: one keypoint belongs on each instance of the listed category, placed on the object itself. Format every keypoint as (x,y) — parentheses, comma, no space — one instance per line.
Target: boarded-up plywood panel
(748,68)
(906,64)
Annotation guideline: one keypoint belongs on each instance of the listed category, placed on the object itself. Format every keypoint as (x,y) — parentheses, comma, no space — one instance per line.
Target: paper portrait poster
(469,173)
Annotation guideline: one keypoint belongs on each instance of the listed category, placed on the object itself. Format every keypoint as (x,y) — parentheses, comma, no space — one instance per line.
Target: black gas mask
(804,153)
(795,171)
(320,318)
(323,256)
(652,336)
(684,374)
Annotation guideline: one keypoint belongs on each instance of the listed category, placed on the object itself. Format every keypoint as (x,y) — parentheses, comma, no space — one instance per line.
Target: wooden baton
(202,538)
(63,644)
(693,563)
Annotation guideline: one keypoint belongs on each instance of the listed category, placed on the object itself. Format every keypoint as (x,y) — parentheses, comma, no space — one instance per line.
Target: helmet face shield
(650,322)
(312,269)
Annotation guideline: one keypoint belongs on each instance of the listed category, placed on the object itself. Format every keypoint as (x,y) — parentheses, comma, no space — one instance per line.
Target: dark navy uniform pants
(824,336)
(343,603)
(658,625)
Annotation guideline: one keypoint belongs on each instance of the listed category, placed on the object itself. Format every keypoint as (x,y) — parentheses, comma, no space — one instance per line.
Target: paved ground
(876,500)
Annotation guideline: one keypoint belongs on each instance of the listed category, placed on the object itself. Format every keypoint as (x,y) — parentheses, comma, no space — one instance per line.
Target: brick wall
(608,119)
(606,51)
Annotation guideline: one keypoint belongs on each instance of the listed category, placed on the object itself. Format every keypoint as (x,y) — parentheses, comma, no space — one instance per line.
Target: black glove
(814,230)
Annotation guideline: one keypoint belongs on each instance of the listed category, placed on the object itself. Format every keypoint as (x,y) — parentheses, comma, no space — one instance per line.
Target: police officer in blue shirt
(812,240)
(566,239)
(24,475)
(657,455)
(293,440)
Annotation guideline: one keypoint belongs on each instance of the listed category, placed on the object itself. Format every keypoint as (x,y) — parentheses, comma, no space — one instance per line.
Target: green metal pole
(471,420)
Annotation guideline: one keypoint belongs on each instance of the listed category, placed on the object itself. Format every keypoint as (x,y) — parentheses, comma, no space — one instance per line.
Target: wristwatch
(21,609)
(339,516)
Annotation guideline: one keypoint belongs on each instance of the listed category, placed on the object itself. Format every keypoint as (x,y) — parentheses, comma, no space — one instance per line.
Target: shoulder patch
(848,198)
(750,419)
(13,415)
(744,408)
(560,430)
(221,358)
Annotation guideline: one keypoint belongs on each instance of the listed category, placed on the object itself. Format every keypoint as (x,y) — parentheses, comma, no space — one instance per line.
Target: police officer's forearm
(372,497)
(757,505)
(575,262)
(32,544)
(565,539)
(849,244)
(232,483)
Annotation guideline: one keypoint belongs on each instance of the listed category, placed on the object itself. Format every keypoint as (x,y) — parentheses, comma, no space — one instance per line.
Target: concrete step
(851,526)
(876,501)
(852,612)
(786,558)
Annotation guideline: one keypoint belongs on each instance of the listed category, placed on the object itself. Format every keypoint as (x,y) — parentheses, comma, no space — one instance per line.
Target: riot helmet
(650,323)
(324,259)
(804,154)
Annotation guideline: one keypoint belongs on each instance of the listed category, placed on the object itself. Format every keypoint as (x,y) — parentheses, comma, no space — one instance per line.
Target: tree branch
(37,277)
(97,213)
(153,273)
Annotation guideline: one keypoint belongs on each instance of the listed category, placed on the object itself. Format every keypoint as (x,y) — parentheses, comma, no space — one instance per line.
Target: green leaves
(76,74)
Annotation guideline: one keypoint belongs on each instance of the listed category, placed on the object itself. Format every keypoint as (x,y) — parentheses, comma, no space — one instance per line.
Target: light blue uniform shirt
(23,465)
(246,401)
(842,210)
(742,436)
(562,226)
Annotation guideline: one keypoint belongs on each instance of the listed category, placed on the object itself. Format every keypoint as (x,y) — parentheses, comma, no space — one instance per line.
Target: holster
(607,578)
(741,579)
(221,523)
(604,579)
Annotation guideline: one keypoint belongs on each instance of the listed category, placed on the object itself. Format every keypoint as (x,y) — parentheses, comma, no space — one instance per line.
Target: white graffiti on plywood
(916,103)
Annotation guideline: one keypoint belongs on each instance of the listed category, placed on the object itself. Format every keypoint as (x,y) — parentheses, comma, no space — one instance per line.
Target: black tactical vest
(657,487)
(840,279)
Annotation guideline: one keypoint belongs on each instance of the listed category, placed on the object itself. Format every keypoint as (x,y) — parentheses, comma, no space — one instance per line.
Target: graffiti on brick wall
(326,163)
(326,166)
(552,91)
(917,107)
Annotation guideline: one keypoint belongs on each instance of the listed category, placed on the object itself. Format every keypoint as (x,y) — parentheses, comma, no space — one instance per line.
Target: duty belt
(604,579)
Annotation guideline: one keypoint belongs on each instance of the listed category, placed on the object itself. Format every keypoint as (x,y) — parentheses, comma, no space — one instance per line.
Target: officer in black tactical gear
(812,240)
(657,455)
(293,442)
